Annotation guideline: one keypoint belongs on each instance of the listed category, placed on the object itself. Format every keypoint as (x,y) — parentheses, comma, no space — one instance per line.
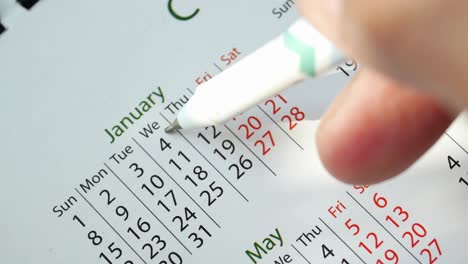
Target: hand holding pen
(395,108)
(412,82)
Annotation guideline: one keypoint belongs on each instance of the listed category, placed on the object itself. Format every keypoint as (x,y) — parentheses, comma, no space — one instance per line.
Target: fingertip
(377,128)
(324,15)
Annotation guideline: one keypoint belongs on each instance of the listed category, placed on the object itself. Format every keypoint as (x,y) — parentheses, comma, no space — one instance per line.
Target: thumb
(377,128)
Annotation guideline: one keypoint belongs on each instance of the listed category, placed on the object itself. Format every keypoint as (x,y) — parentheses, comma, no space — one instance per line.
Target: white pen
(299,53)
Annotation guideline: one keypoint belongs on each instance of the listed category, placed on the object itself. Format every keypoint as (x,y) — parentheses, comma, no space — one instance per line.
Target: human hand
(410,86)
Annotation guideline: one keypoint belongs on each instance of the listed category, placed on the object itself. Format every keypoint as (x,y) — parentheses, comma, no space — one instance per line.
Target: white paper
(71,69)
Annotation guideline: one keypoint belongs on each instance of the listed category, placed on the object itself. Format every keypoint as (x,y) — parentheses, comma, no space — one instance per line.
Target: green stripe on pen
(306,53)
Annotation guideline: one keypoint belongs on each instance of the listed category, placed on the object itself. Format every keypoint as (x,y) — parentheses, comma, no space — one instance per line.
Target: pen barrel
(299,53)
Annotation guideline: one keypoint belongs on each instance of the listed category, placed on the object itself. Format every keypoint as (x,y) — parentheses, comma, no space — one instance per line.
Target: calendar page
(89,176)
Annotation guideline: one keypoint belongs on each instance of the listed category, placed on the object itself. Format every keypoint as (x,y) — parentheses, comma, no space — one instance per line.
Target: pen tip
(173,127)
